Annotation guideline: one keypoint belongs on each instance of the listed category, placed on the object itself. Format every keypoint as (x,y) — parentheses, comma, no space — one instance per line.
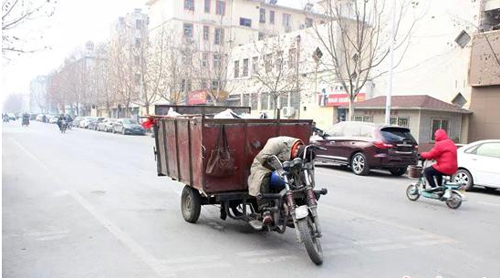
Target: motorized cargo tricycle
(183,146)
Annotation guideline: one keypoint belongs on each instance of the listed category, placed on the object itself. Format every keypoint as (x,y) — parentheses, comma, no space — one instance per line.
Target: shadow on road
(486,191)
(373,173)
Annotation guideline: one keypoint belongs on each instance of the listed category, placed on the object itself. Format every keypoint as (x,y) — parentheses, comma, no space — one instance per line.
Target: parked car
(363,146)
(478,164)
(106,125)
(93,122)
(76,121)
(53,119)
(84,123)
(12,116)
(128,126)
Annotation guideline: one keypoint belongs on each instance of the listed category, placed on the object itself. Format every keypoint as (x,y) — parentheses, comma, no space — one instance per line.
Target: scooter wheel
(412,192)
(454,201)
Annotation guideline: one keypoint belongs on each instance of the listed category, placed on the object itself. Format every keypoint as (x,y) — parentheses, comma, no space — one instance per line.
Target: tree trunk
(351,110)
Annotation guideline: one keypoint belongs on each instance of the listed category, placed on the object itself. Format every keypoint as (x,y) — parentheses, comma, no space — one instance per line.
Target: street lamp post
(391,65)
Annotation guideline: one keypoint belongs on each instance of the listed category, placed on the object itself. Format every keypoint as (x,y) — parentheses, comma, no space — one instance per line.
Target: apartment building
(128,33)
(212,28)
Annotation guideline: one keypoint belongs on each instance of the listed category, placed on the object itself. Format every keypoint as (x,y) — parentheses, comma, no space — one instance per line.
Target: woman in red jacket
(445,154)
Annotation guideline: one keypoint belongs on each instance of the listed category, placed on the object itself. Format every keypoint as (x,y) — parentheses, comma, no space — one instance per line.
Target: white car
(478,164)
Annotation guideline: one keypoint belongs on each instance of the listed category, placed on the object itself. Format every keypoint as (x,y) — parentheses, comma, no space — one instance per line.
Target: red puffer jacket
(444,152)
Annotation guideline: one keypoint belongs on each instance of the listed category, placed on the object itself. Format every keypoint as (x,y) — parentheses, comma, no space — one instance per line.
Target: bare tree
(356,41)
(13,103)
(15,14)
(125,79)
(277,72)
(152,65)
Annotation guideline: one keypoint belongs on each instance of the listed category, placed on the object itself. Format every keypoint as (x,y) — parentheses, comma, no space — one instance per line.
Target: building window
(219,36)
(138,24)
(309,22)
(220,8)
(245,67)
(207,6)
(254,101)
(295,100)
(204,60)
(236,69)
(438,124)
(261,36)
(245,22)
(137,43)
(187,58)
(188,30)
(267,62)
(262,15)
(255,64)
(287,20)
(264,101)
(271,17)
(279,61)
(292,55)
(189,5)
(215,85)
(400,121)
(206,33)
(216,61)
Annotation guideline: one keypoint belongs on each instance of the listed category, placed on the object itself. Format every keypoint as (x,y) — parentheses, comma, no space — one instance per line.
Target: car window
(489,149)
(394,134)
(352,130)
(337,130)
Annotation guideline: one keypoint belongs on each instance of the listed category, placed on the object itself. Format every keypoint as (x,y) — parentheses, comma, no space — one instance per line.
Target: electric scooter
(451,193)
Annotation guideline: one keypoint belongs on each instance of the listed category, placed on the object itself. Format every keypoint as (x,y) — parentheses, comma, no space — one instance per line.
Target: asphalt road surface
(89,204)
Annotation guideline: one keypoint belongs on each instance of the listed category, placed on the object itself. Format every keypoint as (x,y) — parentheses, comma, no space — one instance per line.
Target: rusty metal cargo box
(183,145)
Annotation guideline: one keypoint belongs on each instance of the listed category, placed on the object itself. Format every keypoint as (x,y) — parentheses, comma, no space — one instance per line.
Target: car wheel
(398,171)
(359,165)
(463,176)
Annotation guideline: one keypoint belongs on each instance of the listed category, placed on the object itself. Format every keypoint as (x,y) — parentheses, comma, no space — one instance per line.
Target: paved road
(89,204)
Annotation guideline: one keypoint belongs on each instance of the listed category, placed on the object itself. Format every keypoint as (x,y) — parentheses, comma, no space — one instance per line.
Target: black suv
(363,146)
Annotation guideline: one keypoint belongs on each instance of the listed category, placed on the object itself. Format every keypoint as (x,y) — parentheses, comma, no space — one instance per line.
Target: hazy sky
(74,23)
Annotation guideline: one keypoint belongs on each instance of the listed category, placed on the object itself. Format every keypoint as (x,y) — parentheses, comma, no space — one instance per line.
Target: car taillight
(382,145)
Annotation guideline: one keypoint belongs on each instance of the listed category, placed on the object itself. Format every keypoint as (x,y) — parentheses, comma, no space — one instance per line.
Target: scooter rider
(259,181)
(445,154)
(60,121)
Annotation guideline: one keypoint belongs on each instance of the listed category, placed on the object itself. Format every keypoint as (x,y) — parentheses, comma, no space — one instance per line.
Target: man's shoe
(267,219)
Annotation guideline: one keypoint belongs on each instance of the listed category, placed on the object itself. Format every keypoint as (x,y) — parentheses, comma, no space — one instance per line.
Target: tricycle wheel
(190,204)
(310,239)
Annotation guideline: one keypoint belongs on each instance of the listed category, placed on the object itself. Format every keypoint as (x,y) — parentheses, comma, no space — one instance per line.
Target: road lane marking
(489,204)
(273,259)
(432,242)
(261,252)
(347,251)
(156,265)
(373,241)
(385,222)
(387,247)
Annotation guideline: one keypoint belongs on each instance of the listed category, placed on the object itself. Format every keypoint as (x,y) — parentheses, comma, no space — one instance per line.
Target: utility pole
(391,65)
(297,84)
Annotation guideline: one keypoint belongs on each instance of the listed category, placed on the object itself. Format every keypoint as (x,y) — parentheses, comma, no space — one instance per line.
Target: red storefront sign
(338,99)
(197,97)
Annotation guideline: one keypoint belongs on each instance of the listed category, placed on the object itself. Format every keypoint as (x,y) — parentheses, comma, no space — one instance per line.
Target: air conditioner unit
(288,111)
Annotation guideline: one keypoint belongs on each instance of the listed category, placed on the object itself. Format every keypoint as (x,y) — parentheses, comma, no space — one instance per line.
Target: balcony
(485,59)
